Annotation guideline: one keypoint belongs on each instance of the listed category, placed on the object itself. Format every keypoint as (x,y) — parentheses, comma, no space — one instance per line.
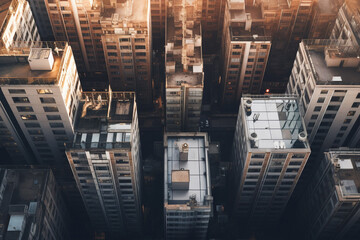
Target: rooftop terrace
(15,68)
(347,172)
(187,175)
(273,122)
(189,79)
(130,10)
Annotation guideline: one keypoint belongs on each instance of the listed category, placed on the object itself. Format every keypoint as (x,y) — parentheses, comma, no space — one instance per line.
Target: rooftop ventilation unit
(184,152)
(253,137)
(41,59)
(180,179)
(302,136)
(247,104)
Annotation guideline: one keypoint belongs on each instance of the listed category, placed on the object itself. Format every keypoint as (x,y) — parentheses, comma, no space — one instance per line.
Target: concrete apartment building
(289,22)
(325,76)
(127,44)
(324,16)
(40,13)
(111,42)
(245,50)
(40,88)
(32,205)
(330,207)
(16,23)
(184,66)
(187,190)
(105,160)
(270,151)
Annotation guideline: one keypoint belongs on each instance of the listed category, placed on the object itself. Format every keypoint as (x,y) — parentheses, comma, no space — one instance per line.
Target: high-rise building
(16,23)
(40,88)
(11,141)
(126,39)
(31,205)
(330,207)
(270,151)
(289,22)
(324,15)
(111,42)
(187,191)
(245,51)
(158,21)
(38,9)
(347,23)
(105,160)
(184,66)
(325,77)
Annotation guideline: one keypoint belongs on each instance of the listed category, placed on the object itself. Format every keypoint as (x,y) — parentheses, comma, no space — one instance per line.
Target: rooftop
(273,122)
(325,59)
(187,168)
(15,68)
(103,125)
(257,33)
(346,172)
(130,10)
(190,79)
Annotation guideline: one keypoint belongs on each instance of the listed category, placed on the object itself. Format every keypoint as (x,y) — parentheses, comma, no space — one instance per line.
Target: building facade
(184,66)
(16,23)
(105,160)
(330,207)
(40,88)
(270,151)
(34,205)
(40,13)
(324,76)
(187,191)
(245,51)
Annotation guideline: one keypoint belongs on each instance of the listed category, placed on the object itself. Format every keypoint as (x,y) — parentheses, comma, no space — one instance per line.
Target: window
(314,116)
(28,117)
(332,108)
(53,117)
(56,125)
(317,109)
(358,96)
(25,109)
(324,92)
(51,109)
(59,132)
(346,121)
(47,100)
(355,104)
(337,99)
(21,100)
(35,132)
(351,113)
(311,124)
(343,128)
(32,125)
(17,91)
(321,100)
(44,91)
(139,46)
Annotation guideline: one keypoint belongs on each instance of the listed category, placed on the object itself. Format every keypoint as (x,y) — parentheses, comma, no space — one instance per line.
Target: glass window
(51,109)
(17,91)
(351,113)
(314,116)
(59,132)
(321,100)
(21,100)
(35,132)
(28,117)
(53,117)
(324,92)
(346,121)
(32,125)
(317,109)
(56,125)
(25,109)
(44,91)
(47,100)
(355,104)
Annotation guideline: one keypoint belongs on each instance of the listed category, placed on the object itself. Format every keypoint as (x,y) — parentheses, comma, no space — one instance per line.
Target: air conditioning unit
(184,152)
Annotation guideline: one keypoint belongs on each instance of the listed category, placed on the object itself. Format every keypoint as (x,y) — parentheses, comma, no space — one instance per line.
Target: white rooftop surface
(15,223)
(195,164)
(345,164)
(277,123)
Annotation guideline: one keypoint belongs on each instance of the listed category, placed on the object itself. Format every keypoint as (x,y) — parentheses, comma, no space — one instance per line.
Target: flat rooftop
(347,172)
(130,10)
(275,120)
(195,164)
(190,79)
(257,33)
(103,125)
(325,74)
